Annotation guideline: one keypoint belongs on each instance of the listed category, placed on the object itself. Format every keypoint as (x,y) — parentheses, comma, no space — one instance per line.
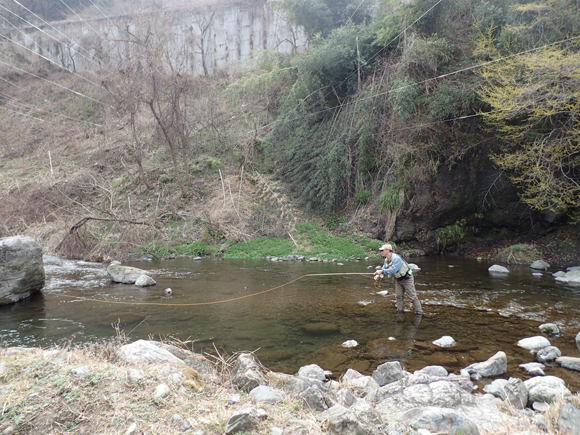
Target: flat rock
(540,265)
(496,268)
(146,352)
(569,362)
(534,343)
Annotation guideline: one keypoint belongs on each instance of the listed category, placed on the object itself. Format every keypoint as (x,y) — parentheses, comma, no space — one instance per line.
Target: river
(290,319)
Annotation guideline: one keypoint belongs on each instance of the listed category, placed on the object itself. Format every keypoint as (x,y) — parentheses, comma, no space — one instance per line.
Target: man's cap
(387,246)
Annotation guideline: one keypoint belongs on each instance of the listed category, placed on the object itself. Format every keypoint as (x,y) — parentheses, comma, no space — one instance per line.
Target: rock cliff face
(21,268)
(472,189)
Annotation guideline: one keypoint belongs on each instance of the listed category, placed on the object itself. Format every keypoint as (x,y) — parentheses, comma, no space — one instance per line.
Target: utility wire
(49,35)
(23,105)
(44,57)
(27,115)
(426,81)
(52,83)
(52,27)
(81,18)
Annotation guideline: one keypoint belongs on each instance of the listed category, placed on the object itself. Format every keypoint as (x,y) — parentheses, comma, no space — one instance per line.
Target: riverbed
(296,313)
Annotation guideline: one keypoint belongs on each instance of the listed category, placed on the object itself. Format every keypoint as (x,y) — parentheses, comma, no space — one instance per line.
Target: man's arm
(397,263)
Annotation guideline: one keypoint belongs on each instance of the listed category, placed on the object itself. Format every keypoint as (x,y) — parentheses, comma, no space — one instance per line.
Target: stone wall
(213,38)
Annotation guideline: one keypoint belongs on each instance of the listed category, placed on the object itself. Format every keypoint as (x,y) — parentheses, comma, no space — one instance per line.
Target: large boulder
(146,352)
(21,268)
(546,389)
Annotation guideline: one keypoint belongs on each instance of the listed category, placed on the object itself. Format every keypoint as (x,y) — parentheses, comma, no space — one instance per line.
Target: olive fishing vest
(404,270)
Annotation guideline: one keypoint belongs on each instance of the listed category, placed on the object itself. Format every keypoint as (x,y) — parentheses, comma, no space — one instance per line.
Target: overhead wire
(50,36)
(20,104)
(80,94)
(46,58)
(426,81)
(27,115)
(52,27)
(81,18)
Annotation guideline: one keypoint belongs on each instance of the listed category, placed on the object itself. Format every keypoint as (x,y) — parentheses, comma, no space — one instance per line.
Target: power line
(81,18)
(24,105)
(428,80)
(52,27)
(27,116)
(52,83)
(44,57)
(47,34)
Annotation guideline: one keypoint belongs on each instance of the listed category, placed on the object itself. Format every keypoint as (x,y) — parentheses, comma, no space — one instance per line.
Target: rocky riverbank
(151,387)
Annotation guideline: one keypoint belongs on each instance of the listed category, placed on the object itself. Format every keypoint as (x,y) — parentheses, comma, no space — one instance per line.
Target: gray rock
(388,372)
(365,412)
(265,394)
(312,371)
(276,431)
(578,341)
(21,268)
(559,274)
(340,421)
(540,406)
(144,281)
(161,391)
(246,373)
(439,420)
(234,398)
(548,354)
(495,366)
(313,399)
(351,374)
(569,420)
(545,389)
(534,343)
(80,371)
(549,328)
(433,371)
(516,393)
(243,419)
(497,269)
(124,274)
(497,388)
(132,429)
(362,387)
(176,419)
(569,362)
(445,341)
(540,265)
(146,352)
(295,384)
(345,397)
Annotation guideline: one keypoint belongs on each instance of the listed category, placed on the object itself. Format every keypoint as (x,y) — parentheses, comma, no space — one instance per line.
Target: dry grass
(43,395)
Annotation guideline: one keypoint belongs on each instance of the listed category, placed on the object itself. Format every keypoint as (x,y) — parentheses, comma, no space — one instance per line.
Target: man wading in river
(404,282)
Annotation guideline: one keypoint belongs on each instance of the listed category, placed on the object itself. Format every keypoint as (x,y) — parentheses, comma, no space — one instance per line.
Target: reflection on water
(305,321)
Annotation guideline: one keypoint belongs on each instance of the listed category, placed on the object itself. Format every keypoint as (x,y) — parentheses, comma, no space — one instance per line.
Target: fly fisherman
(398,268)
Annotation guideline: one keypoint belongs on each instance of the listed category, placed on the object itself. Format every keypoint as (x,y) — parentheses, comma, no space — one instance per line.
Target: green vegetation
(312,241)
(450,235)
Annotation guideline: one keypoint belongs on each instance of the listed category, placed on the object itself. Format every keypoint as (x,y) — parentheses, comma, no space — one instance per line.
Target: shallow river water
(291,320)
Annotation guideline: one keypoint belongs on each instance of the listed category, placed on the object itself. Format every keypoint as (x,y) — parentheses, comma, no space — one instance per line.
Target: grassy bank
(308,240)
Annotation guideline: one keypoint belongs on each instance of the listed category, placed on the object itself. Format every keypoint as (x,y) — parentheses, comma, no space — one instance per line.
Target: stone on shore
(146,352)
(244,419)
(247,373)
(21,268)
(546,389)
(439,420)
(388,372)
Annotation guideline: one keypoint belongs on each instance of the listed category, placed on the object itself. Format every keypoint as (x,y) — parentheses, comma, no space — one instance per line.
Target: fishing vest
(404,270)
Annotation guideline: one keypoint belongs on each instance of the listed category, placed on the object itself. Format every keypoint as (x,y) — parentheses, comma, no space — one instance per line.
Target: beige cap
(385,247)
